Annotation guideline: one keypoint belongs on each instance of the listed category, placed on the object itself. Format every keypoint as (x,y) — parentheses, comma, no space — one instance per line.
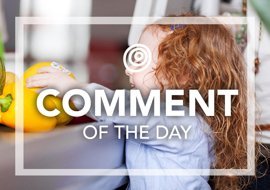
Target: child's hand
(49,77)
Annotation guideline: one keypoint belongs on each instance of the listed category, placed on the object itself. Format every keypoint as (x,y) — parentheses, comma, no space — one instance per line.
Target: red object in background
(105,63)
(81,120)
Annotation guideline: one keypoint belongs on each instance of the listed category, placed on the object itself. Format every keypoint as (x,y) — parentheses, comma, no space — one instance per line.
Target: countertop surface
(62,148)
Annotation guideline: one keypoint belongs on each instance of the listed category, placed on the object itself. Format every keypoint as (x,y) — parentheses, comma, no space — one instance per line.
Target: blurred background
(91,48)
(94,53)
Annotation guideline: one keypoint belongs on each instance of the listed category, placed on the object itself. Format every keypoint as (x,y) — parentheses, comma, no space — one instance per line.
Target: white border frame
(19,69)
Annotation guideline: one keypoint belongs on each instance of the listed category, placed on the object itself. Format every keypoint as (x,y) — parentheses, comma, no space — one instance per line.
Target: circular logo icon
(137,58)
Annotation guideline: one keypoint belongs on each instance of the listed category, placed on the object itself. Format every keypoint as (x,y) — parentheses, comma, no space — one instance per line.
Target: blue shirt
(195,152)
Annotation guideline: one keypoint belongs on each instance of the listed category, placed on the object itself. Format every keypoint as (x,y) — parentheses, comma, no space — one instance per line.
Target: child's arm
(49,77)
(52,78)
(198,132)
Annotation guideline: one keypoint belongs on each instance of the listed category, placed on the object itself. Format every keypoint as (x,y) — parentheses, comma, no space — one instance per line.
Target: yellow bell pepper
(10,78)
(34,121)
(62,118)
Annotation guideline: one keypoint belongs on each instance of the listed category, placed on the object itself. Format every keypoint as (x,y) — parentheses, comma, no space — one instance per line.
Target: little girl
(200,57)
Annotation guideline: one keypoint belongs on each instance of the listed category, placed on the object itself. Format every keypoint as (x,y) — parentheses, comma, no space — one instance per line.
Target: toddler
(200,57)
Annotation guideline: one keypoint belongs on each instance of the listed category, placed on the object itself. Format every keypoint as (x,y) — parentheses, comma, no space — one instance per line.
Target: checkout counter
(62,148)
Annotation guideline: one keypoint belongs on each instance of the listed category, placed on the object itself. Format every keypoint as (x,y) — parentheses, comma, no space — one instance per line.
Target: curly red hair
(205,57)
